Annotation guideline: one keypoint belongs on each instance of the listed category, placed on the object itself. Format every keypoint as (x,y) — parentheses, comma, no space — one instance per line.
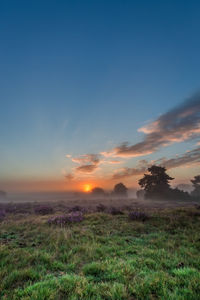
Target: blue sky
(81,77)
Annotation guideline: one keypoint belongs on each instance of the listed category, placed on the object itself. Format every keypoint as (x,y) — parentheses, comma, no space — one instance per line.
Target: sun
(87,187)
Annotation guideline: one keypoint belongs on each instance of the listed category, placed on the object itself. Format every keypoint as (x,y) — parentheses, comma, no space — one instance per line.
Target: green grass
(104,257)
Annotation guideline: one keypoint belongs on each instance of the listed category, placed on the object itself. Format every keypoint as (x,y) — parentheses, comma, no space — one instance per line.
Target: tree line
(155,185)
(119,190)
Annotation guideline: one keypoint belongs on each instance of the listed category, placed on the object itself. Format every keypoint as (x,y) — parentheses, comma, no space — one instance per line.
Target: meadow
(107,255)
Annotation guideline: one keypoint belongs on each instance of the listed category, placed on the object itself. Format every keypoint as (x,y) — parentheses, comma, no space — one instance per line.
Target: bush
(76,208)
(43,210)
(138,216)
(115,211)
(12,209)
(100,207)
(76,216)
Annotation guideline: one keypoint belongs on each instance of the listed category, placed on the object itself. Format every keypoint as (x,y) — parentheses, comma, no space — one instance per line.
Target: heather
(136,253)
(73,217)
(43,210)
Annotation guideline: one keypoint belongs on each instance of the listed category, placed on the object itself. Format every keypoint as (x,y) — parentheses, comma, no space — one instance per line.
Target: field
(106,256)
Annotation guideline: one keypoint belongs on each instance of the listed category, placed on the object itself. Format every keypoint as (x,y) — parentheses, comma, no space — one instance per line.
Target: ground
(103,257)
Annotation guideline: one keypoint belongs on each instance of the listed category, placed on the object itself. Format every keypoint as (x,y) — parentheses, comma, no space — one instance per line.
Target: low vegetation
(139,254)
(43,210)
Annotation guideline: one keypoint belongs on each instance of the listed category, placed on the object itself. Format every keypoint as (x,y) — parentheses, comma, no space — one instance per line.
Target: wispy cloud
(112,162)
(89,163)
(129,172)
(69,176)
(188,158)
(87,168)
(87,158)
(177,125)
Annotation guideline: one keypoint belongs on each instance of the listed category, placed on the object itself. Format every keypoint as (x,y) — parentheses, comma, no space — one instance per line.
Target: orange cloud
(69,176)
(87,168)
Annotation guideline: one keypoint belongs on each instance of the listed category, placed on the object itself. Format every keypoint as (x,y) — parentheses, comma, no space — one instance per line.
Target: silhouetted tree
(196,185)
(120,190)
(97,191)
(156,184)
(176,194)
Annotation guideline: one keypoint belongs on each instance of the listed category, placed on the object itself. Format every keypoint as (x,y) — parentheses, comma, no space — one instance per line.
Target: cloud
(190,157)
(88,163)
(87,158)
(87,169)
(187,159)
(141,167)
(69,176)
(113,162)
(177,125)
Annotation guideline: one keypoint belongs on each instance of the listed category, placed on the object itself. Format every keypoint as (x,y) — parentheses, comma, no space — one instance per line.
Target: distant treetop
(120,189)
(97,191)
(196,186)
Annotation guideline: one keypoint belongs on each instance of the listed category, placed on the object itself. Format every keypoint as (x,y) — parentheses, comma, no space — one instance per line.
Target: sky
(96,91)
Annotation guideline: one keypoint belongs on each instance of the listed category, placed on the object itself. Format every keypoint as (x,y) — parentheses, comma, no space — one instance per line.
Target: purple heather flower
(64,219)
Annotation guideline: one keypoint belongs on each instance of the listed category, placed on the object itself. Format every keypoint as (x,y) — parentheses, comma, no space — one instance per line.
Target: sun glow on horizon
(87,188)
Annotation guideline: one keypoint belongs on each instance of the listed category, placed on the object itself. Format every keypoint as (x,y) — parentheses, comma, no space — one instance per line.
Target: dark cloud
(188,158)
(177,125)
(69,176)
(87,168)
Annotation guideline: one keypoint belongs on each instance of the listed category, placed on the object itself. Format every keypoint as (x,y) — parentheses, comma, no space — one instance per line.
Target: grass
(104,257)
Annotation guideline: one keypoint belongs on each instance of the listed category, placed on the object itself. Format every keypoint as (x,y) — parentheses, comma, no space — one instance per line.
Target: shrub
(194,213)
(12,209)
(115,211)
(76,216)
(43,210)
(100,207)
(75,208)
(138,216)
